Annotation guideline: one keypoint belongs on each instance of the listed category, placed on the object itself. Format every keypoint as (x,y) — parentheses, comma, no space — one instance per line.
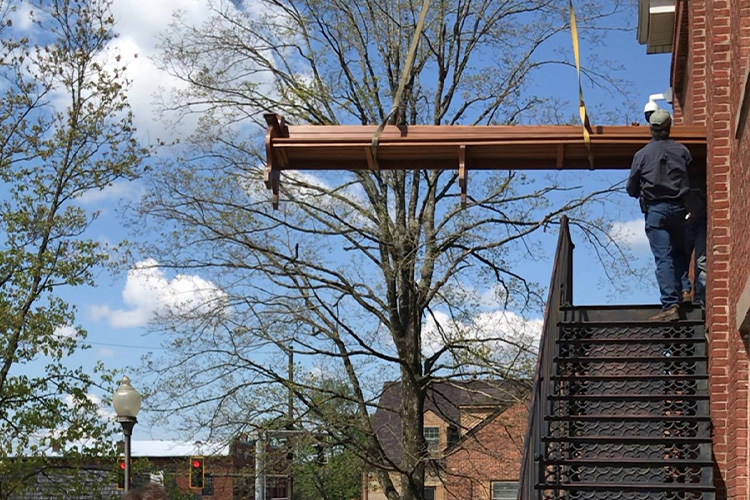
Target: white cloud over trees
(149,293)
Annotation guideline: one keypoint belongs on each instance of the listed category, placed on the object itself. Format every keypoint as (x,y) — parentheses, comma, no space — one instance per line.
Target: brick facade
(481,428)
(493,453)
(219,475)
(713,44)
(101,478)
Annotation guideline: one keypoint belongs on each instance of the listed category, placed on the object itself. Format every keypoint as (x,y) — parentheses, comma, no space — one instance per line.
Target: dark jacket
(659,171)
(695,201)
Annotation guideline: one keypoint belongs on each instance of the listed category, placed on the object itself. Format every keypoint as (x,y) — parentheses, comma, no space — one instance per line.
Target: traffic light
(121,474)
(197,472)
(320,454)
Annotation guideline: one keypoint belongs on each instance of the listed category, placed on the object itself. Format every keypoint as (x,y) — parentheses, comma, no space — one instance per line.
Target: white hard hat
(650,107)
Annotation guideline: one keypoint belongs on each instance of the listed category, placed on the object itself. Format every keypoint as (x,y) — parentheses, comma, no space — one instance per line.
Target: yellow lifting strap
(404,75)
(581,103)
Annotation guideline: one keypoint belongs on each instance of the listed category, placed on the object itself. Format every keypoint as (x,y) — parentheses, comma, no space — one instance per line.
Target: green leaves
(65,129)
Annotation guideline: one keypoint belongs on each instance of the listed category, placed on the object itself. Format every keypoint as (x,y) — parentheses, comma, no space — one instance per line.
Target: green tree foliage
(335,475)
(65,130)
(354,265)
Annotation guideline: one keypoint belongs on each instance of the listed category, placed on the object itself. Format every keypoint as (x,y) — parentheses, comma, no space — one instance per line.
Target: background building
(474,432)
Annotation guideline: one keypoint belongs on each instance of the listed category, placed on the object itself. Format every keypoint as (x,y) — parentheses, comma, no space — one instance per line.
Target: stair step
(687,376)
(702,395)
(621,359)
(631,418)
(622,313)
(630,462)
(620,486)
(626,439)
(637,340)
(632,323)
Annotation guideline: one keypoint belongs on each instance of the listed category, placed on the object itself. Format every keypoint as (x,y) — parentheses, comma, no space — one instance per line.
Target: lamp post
(127,403)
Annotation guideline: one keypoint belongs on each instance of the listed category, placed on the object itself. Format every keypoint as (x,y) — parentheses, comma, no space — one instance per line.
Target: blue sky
(116,311)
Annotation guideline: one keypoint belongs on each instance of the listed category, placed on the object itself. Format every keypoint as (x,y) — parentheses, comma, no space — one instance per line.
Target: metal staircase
(620,403)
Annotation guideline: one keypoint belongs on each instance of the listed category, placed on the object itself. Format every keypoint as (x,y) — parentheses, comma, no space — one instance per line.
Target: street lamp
(127,403)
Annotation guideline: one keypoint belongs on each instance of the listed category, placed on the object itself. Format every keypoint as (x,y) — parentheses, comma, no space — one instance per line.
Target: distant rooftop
(177,449)
(164,448)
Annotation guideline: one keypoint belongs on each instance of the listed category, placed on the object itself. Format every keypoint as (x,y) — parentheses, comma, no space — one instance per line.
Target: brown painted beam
(345,147)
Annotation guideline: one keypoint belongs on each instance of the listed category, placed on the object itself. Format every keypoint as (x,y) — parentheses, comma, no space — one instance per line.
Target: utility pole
(289,433)
(290,417)
(260,472)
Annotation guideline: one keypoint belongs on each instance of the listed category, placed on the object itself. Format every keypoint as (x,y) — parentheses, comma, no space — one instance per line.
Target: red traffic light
(197,473)
(121,474)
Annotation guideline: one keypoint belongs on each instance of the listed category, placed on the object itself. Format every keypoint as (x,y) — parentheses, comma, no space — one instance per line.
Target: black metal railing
(560,293)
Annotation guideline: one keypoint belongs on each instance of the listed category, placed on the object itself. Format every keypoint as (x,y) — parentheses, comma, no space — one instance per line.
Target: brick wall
(739,277)
(719,36)
(492,453)
(688,73)
(219,474)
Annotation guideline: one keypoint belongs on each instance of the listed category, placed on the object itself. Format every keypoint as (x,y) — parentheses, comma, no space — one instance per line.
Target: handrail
(560,293)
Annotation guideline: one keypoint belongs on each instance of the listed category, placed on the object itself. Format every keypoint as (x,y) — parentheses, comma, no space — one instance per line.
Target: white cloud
(139,24)
(104,412)
(64,332)
(115,191)
(630,233)
(106,352)
(21,17)
(148,293)
(495,327)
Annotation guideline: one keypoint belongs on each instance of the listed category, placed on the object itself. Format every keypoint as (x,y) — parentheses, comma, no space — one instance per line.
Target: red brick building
(227,472)
(169,463)
(475,435)
(485,463)
(710,45)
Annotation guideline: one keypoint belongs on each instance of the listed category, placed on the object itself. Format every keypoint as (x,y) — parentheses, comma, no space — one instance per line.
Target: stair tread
(628,439)
(628,462)
(625,418)
(690,376)
(634,323)
(647,340)
(630,486)
(631,397)
(624,359)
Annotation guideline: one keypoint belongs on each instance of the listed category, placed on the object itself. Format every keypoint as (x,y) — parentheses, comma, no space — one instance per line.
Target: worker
(659,179)
(695,237)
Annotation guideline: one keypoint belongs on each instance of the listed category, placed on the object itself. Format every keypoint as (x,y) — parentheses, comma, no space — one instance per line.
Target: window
(276,488)
(429,493)
(208,485)
(504,490)
(432,436)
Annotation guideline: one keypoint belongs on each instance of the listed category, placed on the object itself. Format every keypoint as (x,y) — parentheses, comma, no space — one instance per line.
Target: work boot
(686,297)
(671,313)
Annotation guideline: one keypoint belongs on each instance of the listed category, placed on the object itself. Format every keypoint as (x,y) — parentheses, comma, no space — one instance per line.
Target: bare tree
(355,264)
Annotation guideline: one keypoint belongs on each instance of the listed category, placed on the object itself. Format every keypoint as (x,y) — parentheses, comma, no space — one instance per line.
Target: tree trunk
(412,417)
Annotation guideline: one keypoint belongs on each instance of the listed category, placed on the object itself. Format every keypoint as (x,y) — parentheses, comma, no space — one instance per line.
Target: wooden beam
(446,147)
(462,174)
(274,162)
(492,147)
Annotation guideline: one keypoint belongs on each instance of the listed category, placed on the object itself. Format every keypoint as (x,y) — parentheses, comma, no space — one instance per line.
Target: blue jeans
(665,229)
(695,241)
